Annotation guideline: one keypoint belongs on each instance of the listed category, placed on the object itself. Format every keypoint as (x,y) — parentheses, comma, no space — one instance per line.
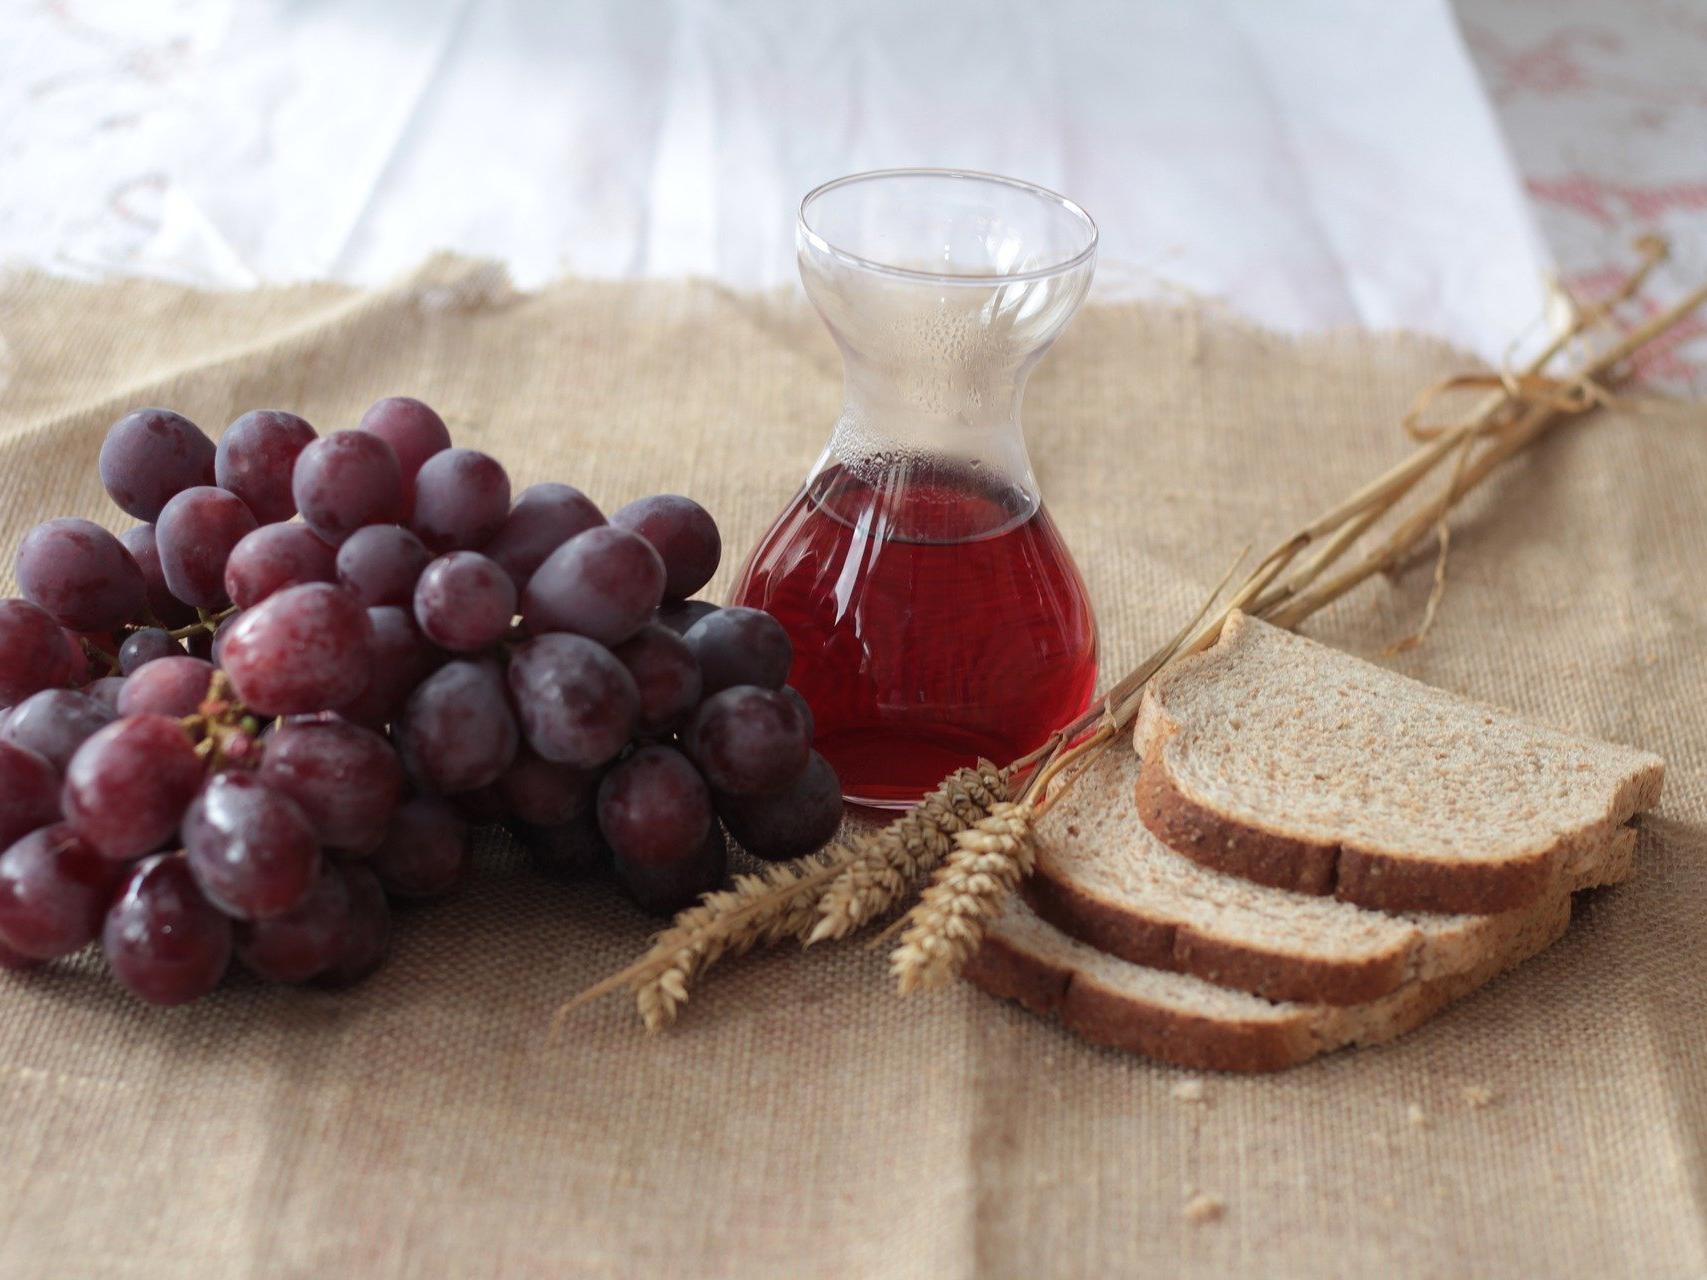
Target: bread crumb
(1475,1096)
(1416,1115)
(1188,1091)
(1203,1208)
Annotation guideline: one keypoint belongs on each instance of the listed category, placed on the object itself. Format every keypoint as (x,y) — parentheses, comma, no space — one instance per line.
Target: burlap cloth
(802,1120)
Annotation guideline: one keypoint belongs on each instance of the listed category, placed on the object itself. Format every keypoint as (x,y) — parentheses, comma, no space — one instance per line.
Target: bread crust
(1368,878)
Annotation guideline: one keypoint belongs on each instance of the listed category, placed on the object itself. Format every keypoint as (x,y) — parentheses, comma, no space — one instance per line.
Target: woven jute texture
(802,1120)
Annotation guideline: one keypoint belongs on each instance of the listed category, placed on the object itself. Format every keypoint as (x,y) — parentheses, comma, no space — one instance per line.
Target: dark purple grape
(578,704)
(402,658)
(28,792)
(305,940)
(573,849)
(196,533)
(464,602)
(664,888)
(250,848)
(106,691)
(543,793)
(144,646)
(544,518)
(255,458)
(149,456)
(740,646)
(481,806)
(684,534)
(414,432)
(654,808)
(790,823)
(80,574)
(462,498)
(381,564)
(602,584)
(33,651)
(748,741)
(274,557)
(216,642)
(680,615)
(16,961)
(165,942)
(303,649)
(666,674)
(457,732)
(804,708)
(54,892)
(345,778)
(168,610)
(367,929)
(129,784)
(166,687)
(346,481)
(54,723)
(426,850)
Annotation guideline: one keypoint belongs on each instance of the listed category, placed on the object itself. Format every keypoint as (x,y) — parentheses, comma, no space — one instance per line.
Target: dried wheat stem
(946,926)
(889,863)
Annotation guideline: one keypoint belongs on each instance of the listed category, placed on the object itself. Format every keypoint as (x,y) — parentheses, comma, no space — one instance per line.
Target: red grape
(402,658)
(680,615)
(28,787)
(301,650)
(414,432)
(129,784)
(255,457)
(740,646)
(168,610)
(345,778)
(748,740)
(804,708)
(54,891)
(790,823)
(165,942)
(150,455)
(665,672)
(250,848)
(144,646)
(33,651)
(80,574)
(273,557)
(305,940)
(464,602)
(106,691)
(654,807)
(16,961)
(664,888)
(426,850)
(54,723)
(603,584)
(574,848)
(196,533)
(462,498)
(684,534)
(367,929)
(544,518)
(216,642)
(577,702)
(543,793)
(381,563)
(457,732)
(345,481)
(166,687)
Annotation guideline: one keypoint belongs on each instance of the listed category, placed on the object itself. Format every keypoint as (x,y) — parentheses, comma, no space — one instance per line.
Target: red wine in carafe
(936,617)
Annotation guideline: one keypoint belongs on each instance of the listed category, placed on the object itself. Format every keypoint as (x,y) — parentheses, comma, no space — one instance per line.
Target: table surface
(1316,165)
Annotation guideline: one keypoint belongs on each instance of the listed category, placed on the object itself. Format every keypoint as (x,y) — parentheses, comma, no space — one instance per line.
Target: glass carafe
(935,611)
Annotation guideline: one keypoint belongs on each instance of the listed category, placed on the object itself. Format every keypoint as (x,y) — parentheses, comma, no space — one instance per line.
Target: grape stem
(205,621)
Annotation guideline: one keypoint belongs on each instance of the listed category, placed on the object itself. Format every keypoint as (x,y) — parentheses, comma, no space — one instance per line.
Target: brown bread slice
(1184,1020)
(1105,879)
(1299,766)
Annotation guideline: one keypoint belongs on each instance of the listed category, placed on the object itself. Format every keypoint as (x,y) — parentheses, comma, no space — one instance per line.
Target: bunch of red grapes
(230,732)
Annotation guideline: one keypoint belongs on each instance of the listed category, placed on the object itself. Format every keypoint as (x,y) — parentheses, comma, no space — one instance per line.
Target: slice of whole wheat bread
(1184,1020)
(1103,878)
(1296,765)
